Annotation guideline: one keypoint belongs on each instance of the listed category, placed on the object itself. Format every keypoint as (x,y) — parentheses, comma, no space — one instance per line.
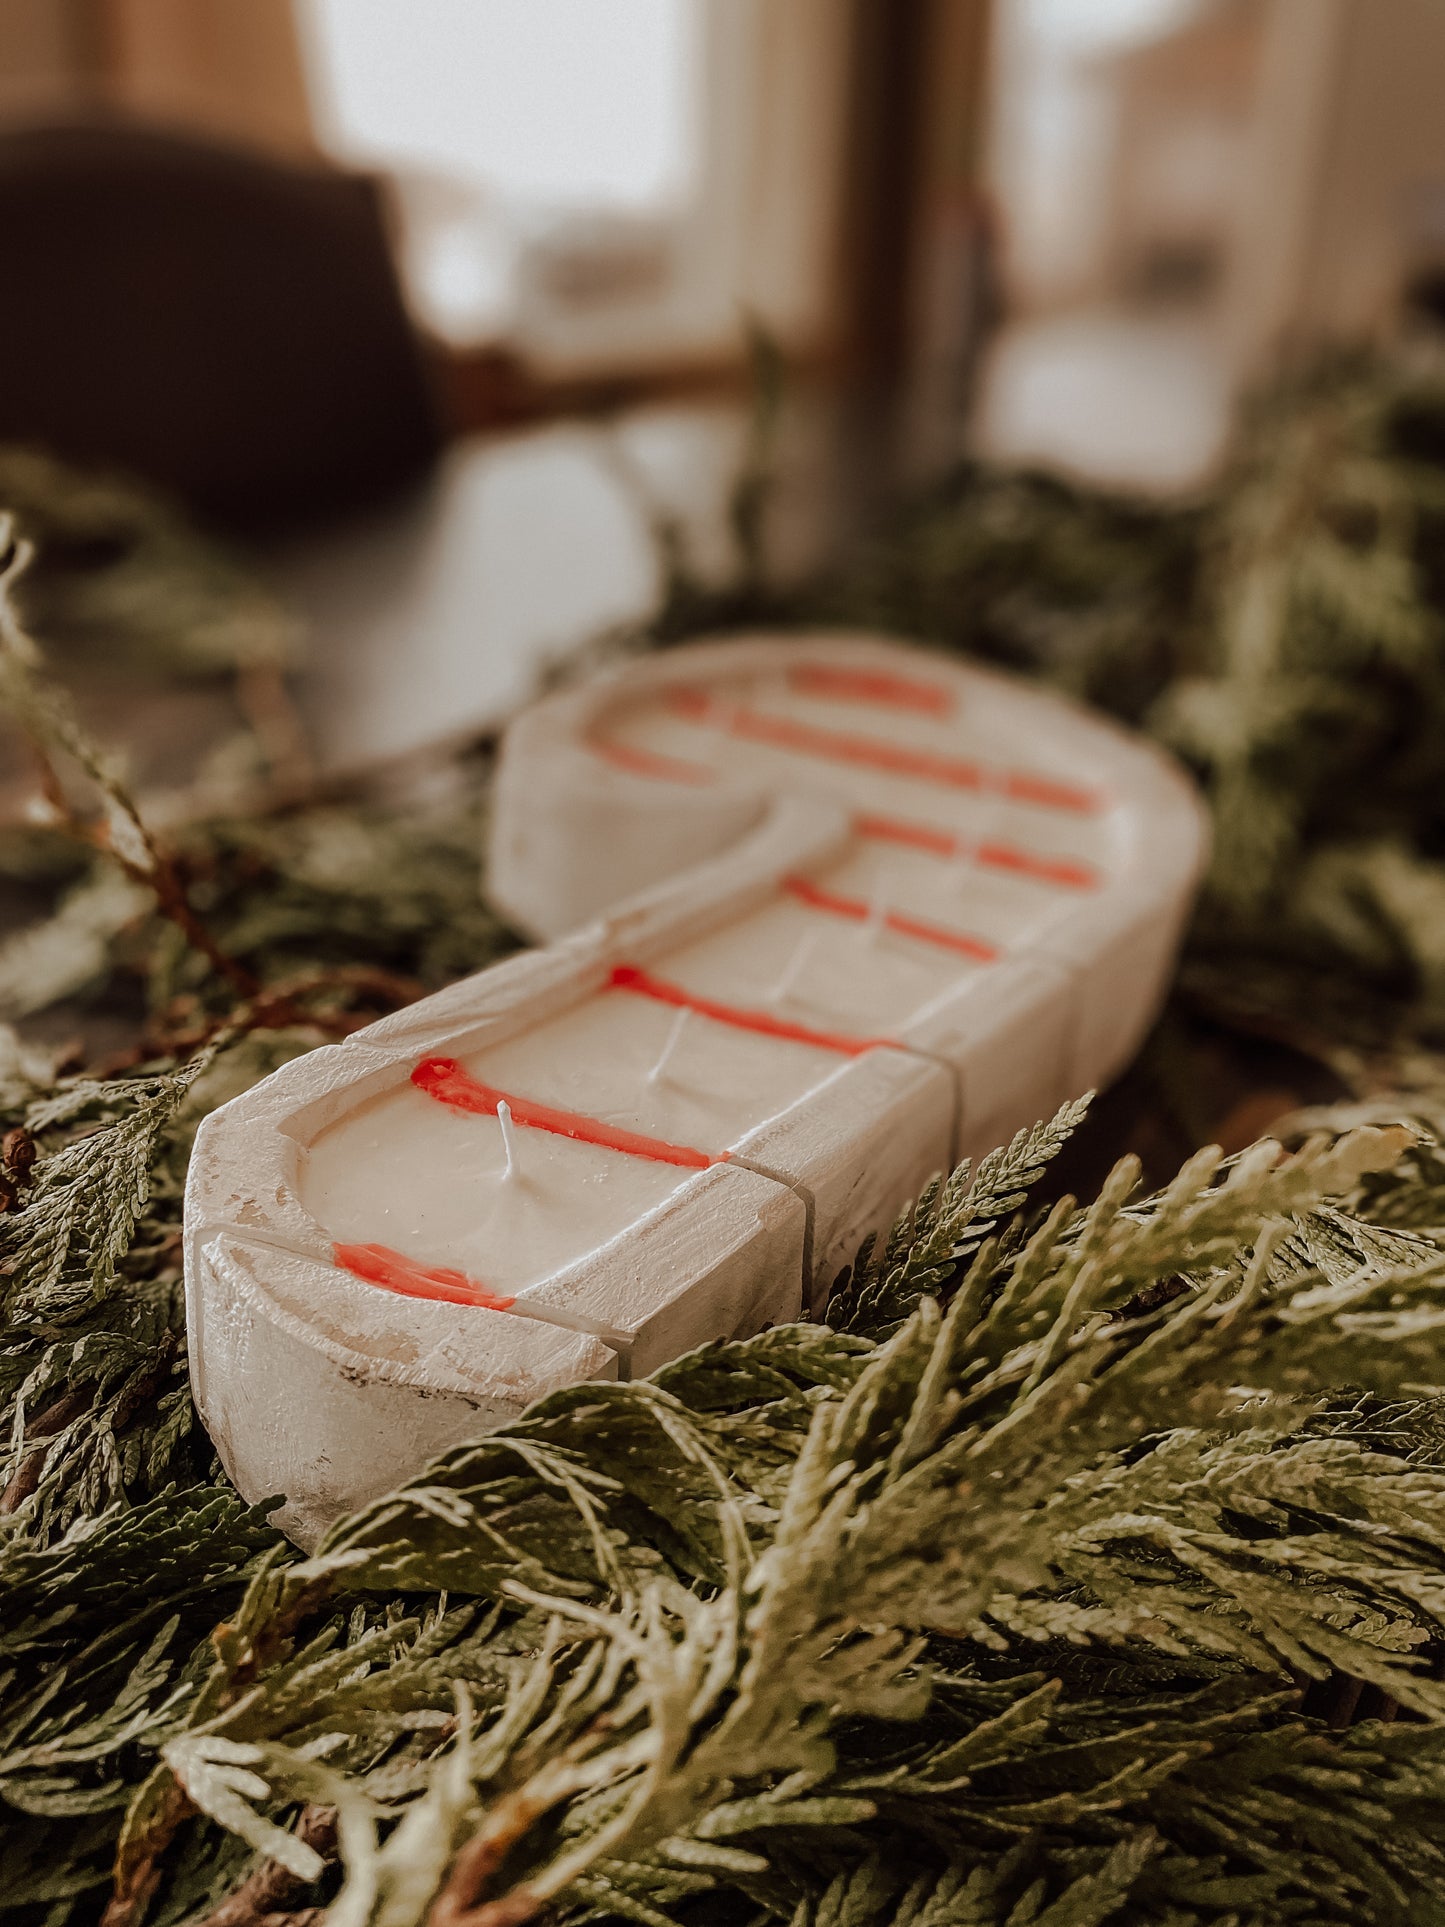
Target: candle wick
(512,1174)
(877,918)
(793,968)
(674,1036)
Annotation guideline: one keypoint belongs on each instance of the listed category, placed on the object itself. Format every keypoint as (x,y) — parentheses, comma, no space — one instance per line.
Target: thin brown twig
(392,988)
(54,1418)
(158,871)
(159,875)
(460,1902)
(164,880)
(276,1007)
(138,1862)
(146,1384)
(59,1413)
(269,1893)
(299,1917)
(511,1910)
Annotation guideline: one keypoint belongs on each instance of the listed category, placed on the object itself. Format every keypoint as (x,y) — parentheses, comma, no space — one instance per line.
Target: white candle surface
(719,748)
(843,983)
(406,1171)
(759,1061)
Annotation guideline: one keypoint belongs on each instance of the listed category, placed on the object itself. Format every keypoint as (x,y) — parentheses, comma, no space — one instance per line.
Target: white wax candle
(1018,767)
(756,1063)
(429,1181)
(838,983)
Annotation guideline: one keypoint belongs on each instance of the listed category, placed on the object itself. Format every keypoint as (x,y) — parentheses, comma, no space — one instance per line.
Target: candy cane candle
(839,911)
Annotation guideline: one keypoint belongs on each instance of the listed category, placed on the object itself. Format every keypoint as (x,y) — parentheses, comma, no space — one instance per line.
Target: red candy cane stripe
(859,911)
(647,762)
(1064,871)
(761,1022)
(380,1265)
(871,686)
(872,752)
(444,1079)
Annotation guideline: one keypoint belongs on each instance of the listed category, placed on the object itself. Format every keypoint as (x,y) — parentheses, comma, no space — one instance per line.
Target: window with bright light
(500,119)
(549,102)
(1074,162)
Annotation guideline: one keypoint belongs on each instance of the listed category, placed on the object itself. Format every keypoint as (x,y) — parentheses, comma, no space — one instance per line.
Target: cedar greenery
(1087,1565)
(1285,637)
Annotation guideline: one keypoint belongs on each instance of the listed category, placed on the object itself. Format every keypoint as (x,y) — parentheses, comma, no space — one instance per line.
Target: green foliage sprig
(1282,633)
(818,1612)
(1087,1566)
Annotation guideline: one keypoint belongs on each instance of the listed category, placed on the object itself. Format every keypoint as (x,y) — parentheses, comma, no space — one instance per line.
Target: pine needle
(1086,1566)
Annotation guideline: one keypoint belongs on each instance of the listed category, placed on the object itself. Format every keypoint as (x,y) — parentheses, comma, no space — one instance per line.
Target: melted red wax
(444,1079)
(628,977)
(1064,871)
(647,762)
(873,752)
(817,898)
(871,686)
(380,1265)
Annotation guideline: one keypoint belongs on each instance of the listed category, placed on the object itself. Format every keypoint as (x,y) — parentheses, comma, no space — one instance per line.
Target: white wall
(560,102)
(1346,187)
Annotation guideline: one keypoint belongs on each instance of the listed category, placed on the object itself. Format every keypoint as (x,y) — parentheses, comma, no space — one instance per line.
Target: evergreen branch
(1014,1601)
(64,1245)
(52,726)
(990,1472)
(932,1240)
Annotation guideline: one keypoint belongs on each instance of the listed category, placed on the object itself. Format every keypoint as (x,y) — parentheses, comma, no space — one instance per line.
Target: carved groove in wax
(762,1022)
(931,902)
(751,725)
(445,1080)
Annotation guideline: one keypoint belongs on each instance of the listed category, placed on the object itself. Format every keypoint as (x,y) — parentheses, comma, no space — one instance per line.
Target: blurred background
(448,308)
(366,363)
